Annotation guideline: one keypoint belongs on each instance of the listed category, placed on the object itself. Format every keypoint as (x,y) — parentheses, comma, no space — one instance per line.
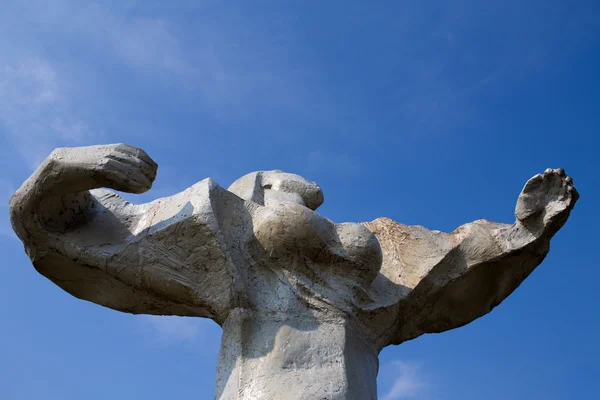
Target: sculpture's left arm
(448,280)
(166,257)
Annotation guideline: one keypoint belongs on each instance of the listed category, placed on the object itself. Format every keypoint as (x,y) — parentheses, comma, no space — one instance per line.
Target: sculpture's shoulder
(204,210)
(409,241)
(203,204)
(409,251)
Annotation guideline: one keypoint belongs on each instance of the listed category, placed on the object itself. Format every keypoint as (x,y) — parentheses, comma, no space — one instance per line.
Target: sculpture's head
(271,187)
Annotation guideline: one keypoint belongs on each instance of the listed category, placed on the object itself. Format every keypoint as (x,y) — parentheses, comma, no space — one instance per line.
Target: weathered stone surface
(305,304)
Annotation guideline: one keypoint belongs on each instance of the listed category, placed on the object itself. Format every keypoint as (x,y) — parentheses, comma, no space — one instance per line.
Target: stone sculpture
(305,304)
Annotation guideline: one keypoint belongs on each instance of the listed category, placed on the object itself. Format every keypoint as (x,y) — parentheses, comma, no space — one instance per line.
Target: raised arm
(56,197)
(166,257)
(433,281)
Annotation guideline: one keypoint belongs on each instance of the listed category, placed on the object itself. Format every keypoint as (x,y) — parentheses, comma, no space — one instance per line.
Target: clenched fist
(117,166)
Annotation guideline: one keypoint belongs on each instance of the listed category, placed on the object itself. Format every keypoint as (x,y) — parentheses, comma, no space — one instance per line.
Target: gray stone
(306,304)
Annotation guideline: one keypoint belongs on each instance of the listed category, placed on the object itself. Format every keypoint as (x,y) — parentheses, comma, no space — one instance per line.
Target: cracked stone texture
(306,304)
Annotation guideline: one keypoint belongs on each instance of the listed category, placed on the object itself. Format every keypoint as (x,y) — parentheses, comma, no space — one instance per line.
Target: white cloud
(173,330)
(108,31)
(230,69)
(35,111)
(408,383)
(145,42)
(44,93)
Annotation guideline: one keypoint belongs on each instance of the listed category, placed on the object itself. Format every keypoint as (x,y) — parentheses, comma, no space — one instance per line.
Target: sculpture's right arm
(166,257)
(443,281)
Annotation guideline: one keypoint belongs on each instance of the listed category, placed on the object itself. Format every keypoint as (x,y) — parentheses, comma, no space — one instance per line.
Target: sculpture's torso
(319,261)
(286,357)
(288,332)
(293,329)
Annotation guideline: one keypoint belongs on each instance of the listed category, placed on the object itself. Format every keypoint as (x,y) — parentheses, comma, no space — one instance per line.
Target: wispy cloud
(49,98)
(219,62)
(138,41)
(169,330)
(408,383)
(173,329)
(114,35)
(35,110)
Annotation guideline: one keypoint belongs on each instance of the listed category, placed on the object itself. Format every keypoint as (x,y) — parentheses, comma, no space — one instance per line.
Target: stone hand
(117,166)
(546,201)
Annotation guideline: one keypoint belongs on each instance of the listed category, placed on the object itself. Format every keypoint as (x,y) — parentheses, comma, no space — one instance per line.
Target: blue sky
(426,112)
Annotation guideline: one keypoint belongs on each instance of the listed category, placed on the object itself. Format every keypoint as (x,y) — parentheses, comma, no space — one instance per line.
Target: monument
(305,304)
